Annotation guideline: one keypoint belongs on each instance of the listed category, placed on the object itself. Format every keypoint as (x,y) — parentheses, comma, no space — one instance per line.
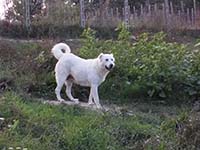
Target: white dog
(85,72)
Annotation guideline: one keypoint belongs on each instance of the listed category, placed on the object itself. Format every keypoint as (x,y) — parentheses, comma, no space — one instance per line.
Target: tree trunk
(82,13)
(27,15)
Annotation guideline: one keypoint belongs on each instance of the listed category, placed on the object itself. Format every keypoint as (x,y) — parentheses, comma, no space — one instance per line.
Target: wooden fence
(164,15)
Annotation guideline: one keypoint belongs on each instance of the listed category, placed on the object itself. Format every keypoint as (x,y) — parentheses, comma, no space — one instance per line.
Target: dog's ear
(100,56)
(111,54)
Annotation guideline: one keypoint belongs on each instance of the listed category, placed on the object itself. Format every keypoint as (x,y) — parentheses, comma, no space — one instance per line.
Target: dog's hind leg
(68,84)
(60,80)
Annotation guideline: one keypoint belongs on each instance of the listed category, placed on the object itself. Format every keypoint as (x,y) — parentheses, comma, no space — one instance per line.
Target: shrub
(188,132)
(148,68)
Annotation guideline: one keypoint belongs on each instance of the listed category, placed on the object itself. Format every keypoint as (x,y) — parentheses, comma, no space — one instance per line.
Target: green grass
(28,123)
(40,126)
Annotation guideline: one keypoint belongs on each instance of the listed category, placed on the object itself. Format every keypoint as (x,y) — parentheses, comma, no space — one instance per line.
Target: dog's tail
(60,49)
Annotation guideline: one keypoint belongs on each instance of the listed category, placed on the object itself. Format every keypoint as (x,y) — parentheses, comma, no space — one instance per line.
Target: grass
(38,126)
(27,123)
(33,125)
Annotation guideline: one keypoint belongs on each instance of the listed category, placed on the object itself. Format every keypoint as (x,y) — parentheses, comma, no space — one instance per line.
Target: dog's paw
(90,103)
(61,100)
(75,100)
(99,107)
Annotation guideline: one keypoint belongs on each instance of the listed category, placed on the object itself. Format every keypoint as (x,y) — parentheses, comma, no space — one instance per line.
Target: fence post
(188,16)
(195,11)
(149,10)
(171,8)
(117,13)
(82,14)
(112,13)
(179,17)
(182,7)
(126,13)
(27,15)
(134,12)
(192,16)
(166,13)
(155,8)
(141,10)
(163,11)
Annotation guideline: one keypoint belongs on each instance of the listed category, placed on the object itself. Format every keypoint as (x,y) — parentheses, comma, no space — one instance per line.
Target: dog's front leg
(94,91)
(90,101)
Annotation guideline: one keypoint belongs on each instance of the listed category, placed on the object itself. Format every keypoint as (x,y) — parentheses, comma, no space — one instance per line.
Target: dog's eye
(111,59)
(106,59)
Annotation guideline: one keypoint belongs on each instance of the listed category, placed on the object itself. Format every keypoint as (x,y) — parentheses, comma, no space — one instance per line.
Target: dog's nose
(111,65)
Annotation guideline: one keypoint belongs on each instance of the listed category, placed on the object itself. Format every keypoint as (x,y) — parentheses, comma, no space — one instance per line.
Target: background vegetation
(28,124)
(149,68)
(152,84)
(153,92)
(61,18)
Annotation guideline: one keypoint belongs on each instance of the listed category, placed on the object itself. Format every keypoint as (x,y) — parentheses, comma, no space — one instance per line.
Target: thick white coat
(85,72)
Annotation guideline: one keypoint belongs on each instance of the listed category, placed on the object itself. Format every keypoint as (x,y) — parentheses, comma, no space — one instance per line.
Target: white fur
(57,50)
(85,72)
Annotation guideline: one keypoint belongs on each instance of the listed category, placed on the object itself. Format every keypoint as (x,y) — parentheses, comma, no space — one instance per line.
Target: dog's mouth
(109,68)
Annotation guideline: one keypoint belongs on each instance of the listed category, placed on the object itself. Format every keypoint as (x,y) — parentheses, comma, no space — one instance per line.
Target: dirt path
(114,109)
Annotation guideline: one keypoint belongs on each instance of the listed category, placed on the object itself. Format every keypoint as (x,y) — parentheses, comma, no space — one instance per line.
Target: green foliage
(150,67)
(124,34)
(193,80)
(158,65)
(189,131)
(89,42)
(30,124)
(39,30)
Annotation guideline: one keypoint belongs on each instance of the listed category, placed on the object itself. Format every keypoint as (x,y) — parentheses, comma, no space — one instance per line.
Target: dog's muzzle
(110,67)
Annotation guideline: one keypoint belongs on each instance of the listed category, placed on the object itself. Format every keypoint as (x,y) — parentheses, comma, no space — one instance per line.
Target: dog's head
(107,61)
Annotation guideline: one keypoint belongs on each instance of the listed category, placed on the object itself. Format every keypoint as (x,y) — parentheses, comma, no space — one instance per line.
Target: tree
(20,9)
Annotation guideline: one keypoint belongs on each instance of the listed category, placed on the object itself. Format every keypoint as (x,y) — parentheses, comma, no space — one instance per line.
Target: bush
(149,68)
(17,30)
(48,30)
(189,132)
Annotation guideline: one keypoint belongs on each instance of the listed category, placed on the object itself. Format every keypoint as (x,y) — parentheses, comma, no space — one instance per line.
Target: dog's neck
(103,72)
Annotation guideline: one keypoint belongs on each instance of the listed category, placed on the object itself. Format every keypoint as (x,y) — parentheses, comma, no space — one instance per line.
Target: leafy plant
(150,67)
